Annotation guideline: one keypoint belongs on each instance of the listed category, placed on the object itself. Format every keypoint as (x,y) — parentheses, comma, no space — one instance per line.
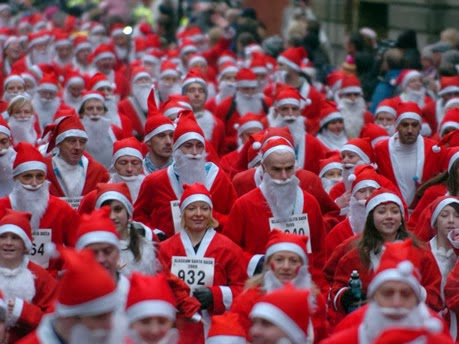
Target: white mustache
(194,157)
(390,311)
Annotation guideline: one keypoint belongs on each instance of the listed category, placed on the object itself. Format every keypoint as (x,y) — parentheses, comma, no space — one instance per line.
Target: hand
(343,200)
(204,296)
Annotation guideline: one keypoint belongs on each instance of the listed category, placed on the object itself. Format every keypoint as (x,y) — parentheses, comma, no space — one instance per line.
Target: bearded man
(52,219)
(169,81)
(157,203)
(7,156)
(38,51)
(73,88)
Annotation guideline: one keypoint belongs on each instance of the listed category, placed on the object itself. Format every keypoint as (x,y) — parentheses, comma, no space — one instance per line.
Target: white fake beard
(245,104)
(81,334)
(35,202)
(302,280)
(416,96)
(332,140)
(111,103)
(132,183)
(353,113)
(23,131)
(121,53)
(190,169)
(141,93)
(74,102)
(375,322)
(389,128)
(328,183)
(206,123)
(7,96)
(226,89)
(7,157)
(171,337)
(295,126)
(41,57)
(357,215)
(165,91)
(45,110)
(280,197)
(100,145)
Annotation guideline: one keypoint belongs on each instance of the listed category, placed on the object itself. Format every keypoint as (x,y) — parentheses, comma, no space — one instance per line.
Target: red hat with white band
(293,58)
(27,158)
(246,78)
(408,110)
(114,191)
(382,196)
(276,145)
(18,222)
(127,147)
(187,129)
(97,227)
(196,192)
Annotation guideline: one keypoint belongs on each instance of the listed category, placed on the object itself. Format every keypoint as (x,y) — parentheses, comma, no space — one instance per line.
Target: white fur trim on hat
(367,183)
(13,78)
(226,340)
(384,198)
(75,80)
(229,69)
(287,246)
(254,161)
(38,40)
(259,70)
(10,228)
(351,89)
(168,72)
(440,207)
(150,58)
(102,83)
(114,195)
(356,150)
(159,130)
(188,49)
(277,149)
(141,75)
(449,124)
(291,101)
(172,111)
(386,108)
(291,64)
(82,45)
(127,151)
(97,237)
(268,311)
(92,96)
(189,81)
(5,130)
(195,198)
(71,133)
(62,42)
(187,137)
(249,125)
(452,160)
(47,86)
(331,117)
(329,167)
(408,115)
(410,75)
(104,55)
(449,89)
(29,166)
(101,305)
(247,83)
(151,308)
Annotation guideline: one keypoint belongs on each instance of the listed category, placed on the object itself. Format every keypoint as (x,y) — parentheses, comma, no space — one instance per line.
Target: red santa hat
(86,288)
(453,102)
(196,58)
(97,227)
(80,43)
(429,333)
(405,76)
(10,39)
(38,38)
(168,68)
(18,223)
(27,158)
(73,77)
(4,127)
(334,80)
(153,56)
(187,46)
(374,132)
(382,196)
(227,67)
(28,76)
(193,76)
(364,176)
(157,124)
(196,192)
(280,241)
(258,63)
(361,147)
(96,28)
(452,155)
(13,77)
(253,150)
(388,105)
(88,95)
(249,121)
(150,296)
(350,84)
(61,39)
(408,110)
(226,329)
(252,48)
(227,56)
(293,58)
(449,84)
(174,105)
(276,145)
(117,30)
(288,95)
(109,192)
(287,308)
(69,126)
(187,129)
(103,51)
(48,82)
(127,147)
(331,163)
(275,133)
(139,72)
(246,78)
(399,262)
(329,114)
(437,206)
(450,120)
(99,80)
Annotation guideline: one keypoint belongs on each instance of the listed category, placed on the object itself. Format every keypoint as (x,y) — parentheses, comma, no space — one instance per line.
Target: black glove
(348,300)
(259,268)
(204,296)
(161,236)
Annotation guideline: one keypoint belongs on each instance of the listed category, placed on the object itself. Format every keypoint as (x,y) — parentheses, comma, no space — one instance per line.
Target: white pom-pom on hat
(256,145)
(352,177)
(436,149)
(433,325)
(308,101)
(236,126)
(405,268)
(51,250)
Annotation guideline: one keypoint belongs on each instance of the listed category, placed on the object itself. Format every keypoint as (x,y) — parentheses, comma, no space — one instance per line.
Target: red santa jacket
(430,115)
(248,225)
(95,173)
(340,233)
(29,314)
(214,130)
(159,189)
(228,275)
(129,108)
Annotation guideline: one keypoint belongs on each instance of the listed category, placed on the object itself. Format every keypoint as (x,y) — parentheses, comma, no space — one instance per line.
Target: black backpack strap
(231,109)
(265,106)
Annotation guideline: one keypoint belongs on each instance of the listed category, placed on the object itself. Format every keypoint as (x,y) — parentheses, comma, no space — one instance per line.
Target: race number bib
(296,224)
(40,238)
(195,272)
(176,216)
(74,202)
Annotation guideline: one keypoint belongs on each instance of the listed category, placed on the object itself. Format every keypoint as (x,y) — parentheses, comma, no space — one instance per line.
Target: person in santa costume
(82,50)
(74,84)
(434,111)
(407,158)
(99,129)
(277,200)
(72,173)
(412,87)
(169,81)
(28,289)
(213,287)
(38,51)
(136,107)
(385,223)
(226,85)
(331,133)
(52,220)
(156,204)
(245,100)
(449,123)
(283,316)
(13,85)
(63,49)
(198,62)
(286,262)
(85,302)
(22,120)
(287,113)
(7,156)
(385,115)
(396,298)
(151,310)
(194,87)
(11,52)
(331,171)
